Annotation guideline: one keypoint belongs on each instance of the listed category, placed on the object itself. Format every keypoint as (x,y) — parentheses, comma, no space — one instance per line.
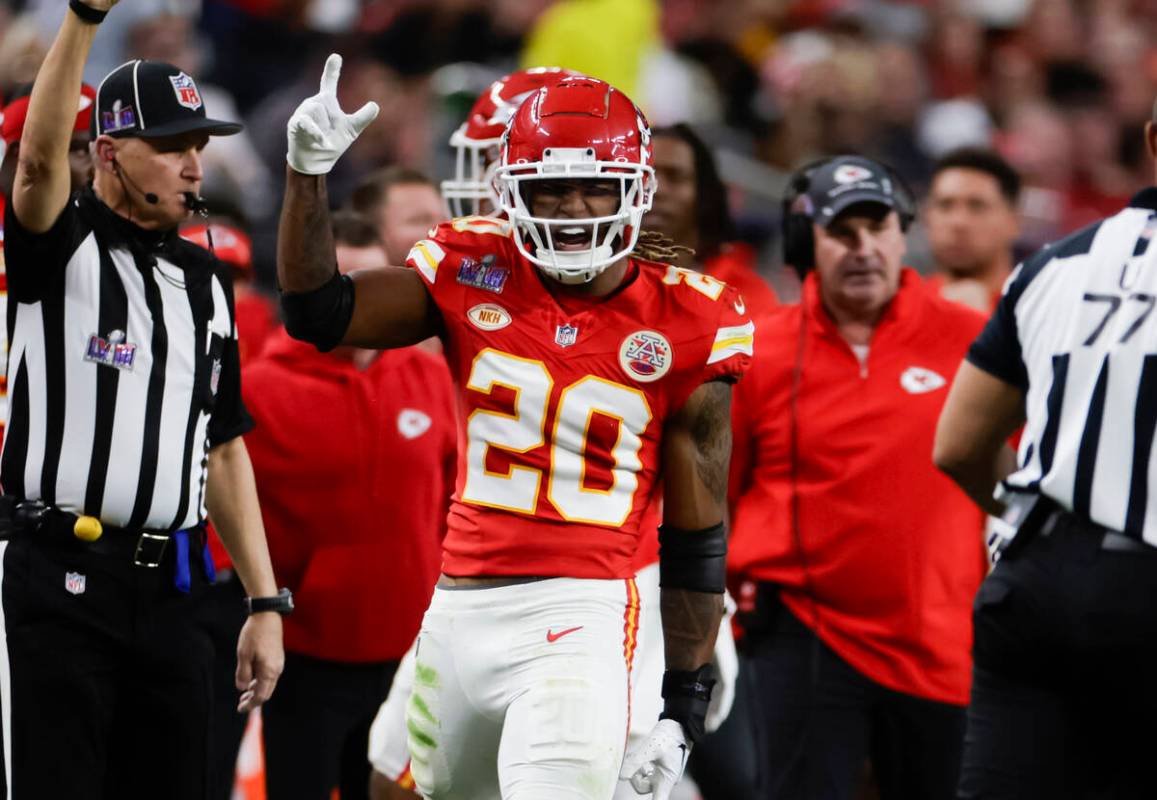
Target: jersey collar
(1146,198)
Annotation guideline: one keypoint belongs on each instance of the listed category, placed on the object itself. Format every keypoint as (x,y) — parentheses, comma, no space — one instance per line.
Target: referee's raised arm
(43,183)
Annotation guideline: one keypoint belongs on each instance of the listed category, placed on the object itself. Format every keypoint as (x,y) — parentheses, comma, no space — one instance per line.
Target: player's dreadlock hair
(654,246)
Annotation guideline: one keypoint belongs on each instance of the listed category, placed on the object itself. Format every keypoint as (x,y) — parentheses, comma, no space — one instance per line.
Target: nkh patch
(483,274)
(566,335)
(111,351)
(186,91)
(75,583)
(645,356)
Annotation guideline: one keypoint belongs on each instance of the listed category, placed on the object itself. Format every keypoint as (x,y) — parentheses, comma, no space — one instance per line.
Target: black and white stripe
(126,445)
(1077,330)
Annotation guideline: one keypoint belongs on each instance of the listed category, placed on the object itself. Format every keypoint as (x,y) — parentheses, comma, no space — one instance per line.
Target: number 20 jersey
(564,400)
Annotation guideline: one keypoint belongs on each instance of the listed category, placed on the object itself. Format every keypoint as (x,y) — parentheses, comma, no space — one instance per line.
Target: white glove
(656,765)
(319,131)
(726,663)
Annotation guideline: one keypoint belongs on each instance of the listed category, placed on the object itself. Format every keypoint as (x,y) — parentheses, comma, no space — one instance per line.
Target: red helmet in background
(231,245)
(578,128)
(478,139)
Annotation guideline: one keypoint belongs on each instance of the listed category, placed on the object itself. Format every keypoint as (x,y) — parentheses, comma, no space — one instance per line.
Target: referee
(125,424)
(1065,628)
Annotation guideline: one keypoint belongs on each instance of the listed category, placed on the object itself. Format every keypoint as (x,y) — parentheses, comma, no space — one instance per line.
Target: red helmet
(477,140)
(231,245)
(578,128)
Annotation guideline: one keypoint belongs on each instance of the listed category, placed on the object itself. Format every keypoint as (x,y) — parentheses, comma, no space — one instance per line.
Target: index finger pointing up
(330,74)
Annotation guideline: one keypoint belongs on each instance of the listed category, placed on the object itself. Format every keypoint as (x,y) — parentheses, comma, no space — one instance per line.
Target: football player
(586,369)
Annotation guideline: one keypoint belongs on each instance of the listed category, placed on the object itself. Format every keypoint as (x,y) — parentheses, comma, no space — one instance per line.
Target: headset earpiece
(799,247)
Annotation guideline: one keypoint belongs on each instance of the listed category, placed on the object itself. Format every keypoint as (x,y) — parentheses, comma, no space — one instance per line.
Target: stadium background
(1059,87)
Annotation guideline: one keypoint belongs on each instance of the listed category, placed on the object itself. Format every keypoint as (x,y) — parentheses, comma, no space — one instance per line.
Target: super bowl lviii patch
(484,274)
(111,351)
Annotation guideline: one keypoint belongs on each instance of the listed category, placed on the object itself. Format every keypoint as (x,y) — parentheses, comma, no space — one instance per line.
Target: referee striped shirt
(1076,330)
(123,368)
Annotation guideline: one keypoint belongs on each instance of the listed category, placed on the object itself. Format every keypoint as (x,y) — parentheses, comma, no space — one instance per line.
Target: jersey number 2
(525,430)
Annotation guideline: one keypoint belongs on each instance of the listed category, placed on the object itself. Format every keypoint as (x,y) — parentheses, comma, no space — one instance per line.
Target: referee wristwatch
(282,603)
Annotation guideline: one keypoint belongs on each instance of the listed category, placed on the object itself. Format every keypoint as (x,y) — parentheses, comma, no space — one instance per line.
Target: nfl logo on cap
(186,90)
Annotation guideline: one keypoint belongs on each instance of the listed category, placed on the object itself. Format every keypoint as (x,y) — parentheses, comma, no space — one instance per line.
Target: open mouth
(575,237)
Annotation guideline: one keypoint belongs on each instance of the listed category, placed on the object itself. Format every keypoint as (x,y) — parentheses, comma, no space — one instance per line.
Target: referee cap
(151,99)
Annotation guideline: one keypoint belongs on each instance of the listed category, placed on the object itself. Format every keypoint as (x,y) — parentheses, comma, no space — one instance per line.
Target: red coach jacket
(354,472)
(893,548)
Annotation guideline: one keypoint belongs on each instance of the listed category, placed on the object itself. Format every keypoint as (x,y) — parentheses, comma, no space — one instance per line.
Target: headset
(799,244)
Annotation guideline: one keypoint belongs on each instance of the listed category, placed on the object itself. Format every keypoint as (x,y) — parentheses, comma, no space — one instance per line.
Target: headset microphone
(150,198)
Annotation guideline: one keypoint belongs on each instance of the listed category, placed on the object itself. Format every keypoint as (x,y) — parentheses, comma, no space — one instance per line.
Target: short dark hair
(983,160)
(353,230)
(371,193)
(712,216)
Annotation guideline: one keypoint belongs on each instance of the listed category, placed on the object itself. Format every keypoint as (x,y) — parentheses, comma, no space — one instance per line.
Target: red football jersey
(564,399)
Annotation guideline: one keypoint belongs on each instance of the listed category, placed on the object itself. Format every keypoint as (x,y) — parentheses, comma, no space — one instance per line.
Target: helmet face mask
(478,140)
(473,182)
(579,129)
(608,237)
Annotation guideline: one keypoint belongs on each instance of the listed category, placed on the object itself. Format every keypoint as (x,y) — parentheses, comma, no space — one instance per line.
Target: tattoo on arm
(305,250)
(711,432)
(690,625)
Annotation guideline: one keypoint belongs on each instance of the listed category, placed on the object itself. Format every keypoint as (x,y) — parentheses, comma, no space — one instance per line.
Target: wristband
(282,603)
(686,696)
(87,13)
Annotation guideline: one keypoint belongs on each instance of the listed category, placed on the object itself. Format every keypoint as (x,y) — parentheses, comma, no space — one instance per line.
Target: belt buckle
(150,550)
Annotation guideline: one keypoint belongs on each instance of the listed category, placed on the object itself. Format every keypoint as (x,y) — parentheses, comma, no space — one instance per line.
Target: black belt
(1110,540)
(145,547)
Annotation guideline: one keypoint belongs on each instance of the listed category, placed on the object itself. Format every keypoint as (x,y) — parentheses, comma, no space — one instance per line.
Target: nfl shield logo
(566,335)
(186,91)
(74,582)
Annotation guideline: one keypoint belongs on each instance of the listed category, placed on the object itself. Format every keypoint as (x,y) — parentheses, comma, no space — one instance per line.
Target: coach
(1063,697)
(854,561)
(125,425)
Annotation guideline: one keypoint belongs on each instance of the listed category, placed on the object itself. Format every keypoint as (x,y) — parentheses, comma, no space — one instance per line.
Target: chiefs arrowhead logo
(413,423)
(918,380)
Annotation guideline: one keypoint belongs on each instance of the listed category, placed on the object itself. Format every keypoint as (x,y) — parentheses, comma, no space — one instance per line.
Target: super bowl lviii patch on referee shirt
(111,351)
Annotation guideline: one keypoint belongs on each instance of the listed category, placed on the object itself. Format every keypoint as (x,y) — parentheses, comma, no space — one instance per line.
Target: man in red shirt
(853,560)
(585,368)
(354,454)
(972,222)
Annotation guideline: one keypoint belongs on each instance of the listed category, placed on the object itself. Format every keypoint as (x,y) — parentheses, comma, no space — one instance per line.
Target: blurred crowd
(1058,87)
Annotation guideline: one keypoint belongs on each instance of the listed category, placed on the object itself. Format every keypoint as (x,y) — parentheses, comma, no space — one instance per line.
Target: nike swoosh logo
(551,636)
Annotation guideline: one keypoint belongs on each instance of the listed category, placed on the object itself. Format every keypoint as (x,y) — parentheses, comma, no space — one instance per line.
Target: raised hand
(319,131)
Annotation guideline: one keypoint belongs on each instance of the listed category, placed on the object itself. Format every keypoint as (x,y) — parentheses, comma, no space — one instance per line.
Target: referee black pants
(108,670)
(820,721)
(1064,697)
